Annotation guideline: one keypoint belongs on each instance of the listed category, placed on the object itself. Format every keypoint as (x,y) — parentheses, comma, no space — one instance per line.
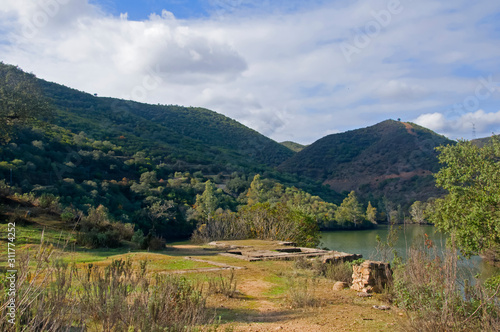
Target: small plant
(224,286)
(339,272)
(301,292)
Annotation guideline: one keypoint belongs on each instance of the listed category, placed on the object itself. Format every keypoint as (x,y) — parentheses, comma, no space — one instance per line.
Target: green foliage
(208,202)
(256,193)
(350,211)
(371,213)
(417,212)
(21,100)
(139,239)
(469,212)
(296,147)
(97,230)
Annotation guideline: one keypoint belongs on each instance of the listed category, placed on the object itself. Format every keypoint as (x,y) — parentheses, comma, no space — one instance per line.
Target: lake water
(364,242)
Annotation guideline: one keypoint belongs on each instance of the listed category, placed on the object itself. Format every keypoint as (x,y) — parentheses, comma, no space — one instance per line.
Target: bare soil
(261,300)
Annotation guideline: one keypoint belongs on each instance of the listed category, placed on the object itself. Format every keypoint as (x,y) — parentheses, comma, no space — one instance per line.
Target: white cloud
(479,123)
(282,72)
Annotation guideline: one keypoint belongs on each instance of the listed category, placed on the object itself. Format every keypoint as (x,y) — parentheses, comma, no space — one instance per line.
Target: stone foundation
(371,276)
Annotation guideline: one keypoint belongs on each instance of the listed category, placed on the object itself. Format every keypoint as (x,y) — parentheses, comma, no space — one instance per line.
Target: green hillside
(392,159)
(480,142)
(189,134)
(296,147)
(143,163)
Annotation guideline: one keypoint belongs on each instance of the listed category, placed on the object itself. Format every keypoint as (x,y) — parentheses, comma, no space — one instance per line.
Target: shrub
(341,271)
(155,243)
(224,286)
(55,296)
(301,292)
(426,287)
(49,201)
(97,230)
(139,239)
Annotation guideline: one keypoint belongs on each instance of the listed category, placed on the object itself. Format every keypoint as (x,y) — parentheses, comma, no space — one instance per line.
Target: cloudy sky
(292,70)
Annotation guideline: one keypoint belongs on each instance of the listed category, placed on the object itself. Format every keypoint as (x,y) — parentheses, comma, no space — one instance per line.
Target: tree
(160,210)
(417,212)
(350,210)
(208,202)
(256,192)
(471,210)
(21,100)
(371,213)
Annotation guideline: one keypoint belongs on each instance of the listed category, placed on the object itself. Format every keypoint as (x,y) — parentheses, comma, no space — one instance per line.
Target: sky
(292,70)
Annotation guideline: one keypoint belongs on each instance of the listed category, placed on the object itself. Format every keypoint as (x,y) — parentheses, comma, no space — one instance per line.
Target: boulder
(340,285)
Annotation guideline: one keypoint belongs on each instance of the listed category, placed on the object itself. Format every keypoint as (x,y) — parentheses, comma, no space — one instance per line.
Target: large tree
(350,211)
(21,100)
(470,212)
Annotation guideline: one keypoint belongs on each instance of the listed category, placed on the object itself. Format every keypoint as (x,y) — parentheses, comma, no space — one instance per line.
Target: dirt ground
(261,302)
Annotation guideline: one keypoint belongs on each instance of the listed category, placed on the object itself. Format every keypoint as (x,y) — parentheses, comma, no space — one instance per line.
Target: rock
(371,276)
(381,307)
(340,285)
(361,294)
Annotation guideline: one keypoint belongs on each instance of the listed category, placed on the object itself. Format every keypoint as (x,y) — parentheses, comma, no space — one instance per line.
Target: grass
(262,288)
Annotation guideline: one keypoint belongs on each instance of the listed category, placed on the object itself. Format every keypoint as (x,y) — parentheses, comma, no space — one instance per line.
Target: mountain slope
(392,159)
(296,147)
(193,135)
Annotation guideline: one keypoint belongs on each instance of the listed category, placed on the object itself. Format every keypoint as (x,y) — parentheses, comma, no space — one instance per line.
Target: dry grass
(427,287)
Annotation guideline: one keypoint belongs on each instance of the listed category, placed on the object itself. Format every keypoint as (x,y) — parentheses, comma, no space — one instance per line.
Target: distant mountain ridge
(392,159)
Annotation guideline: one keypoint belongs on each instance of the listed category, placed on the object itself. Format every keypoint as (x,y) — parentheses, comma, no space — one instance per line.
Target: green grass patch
(279,287)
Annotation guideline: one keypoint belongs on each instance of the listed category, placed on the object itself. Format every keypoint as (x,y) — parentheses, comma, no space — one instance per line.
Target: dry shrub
(224,286)
(426,286)
(224,225)
(55,296)
(301,292)
(341,271)
(44,298)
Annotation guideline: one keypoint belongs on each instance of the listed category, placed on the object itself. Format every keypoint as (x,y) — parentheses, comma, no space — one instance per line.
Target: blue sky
(292,70)
(141,10)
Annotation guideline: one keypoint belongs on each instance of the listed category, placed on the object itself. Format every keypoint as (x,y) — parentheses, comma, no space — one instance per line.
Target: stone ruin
(371,276)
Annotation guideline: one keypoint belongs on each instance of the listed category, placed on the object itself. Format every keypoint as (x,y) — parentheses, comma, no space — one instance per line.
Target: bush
(334,271)
(426,287)
(49,202)
(301,292)
(155,243)
(97,230)
(224,286)
(139,239)
(55,296)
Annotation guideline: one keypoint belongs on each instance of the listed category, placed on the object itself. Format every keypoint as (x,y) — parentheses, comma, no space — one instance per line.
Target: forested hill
(187,134)
(392,159)
(144,164)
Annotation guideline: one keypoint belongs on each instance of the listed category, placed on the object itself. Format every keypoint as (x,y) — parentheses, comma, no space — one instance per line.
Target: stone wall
(371,276)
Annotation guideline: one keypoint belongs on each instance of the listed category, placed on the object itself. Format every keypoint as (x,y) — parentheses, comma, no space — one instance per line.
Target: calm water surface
(364,242)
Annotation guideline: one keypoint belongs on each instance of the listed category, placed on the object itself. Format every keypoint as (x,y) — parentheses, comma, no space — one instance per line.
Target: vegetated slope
(189,134)
(480,142)
(392,159)
(296,147)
